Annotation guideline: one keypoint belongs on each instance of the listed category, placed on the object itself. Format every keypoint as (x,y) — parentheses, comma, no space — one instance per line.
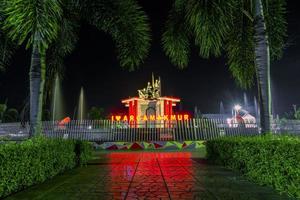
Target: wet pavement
(148,175)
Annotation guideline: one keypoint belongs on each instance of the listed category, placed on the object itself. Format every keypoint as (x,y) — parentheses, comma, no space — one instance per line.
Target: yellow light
(159,118)
(186,117)
(152,117)
(173,117)
(131,118)
(179,117)
(118,117)
(145,118)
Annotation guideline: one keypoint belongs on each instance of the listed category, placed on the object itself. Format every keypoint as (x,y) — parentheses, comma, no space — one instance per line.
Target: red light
(179,117)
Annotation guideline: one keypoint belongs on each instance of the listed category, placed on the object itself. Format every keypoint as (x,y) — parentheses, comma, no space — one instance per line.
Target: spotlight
(237,107)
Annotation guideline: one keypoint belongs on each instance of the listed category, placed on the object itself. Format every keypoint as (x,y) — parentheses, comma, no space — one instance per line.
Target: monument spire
(152,79)
(159,86)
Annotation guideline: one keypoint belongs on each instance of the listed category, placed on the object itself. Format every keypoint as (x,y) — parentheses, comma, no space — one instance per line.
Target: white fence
(108,131)
(291,127)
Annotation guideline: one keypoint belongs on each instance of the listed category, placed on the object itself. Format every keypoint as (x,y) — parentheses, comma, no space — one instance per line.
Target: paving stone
(148,175)
(179,178)
(59,196)
(74,188)
(148,195)
(184,187)
(148,186)
(110,187)
(202,195)
(102,196)
(148,178)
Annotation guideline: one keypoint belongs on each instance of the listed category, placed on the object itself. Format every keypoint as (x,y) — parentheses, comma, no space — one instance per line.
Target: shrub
(36,160)
(267,160)
(83,151)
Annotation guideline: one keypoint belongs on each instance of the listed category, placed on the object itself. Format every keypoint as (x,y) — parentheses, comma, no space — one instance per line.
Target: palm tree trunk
(37,78)
(262,62)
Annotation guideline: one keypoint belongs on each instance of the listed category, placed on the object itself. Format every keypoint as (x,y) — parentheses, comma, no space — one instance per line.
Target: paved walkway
(148,175)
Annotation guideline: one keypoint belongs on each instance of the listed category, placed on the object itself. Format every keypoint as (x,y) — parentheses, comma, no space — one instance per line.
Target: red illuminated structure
(162,106)
(151,106)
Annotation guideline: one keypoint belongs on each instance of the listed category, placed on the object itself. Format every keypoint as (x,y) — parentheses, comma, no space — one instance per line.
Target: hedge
(83,151)
(36,160)
(267,160)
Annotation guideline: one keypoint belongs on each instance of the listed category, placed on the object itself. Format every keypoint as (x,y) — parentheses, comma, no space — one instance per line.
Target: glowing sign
(150,117)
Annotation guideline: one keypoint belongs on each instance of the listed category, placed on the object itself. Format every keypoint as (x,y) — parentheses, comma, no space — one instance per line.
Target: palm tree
(35,23)
(26,21)
(8,114)
(238,28)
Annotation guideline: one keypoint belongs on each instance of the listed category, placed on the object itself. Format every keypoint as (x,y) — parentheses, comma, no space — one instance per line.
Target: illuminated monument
(150,107)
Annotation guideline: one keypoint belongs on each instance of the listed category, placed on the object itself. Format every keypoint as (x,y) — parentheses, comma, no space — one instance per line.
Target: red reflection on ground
(150,174)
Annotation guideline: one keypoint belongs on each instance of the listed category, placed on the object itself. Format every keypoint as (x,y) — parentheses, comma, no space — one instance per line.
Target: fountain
(81,106)
(257,111)
(222,110)
(246,105)
(57,106)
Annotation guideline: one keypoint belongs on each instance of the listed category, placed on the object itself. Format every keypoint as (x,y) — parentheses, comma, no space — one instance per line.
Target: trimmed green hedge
(83,151)
(36,160)
(267,160)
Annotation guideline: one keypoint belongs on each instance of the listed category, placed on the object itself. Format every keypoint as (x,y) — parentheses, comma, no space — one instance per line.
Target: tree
(7,47)
(238,28)
(3,109)
(124,20)
(96,113)
(294,114)
(8,114)
(40,23)
(35,23)
(127,24)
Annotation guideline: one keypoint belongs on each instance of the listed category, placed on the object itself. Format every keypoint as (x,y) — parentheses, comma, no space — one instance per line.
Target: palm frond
(26,19)
(209,21)
(7,50)
(275,15)
(175,39)
(240,48)
(66,40)
(64,44)
(128,25)
(7,47)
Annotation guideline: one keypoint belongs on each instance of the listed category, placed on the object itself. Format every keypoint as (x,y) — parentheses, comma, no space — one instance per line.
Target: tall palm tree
(35,23)
(261,31)
(239,28)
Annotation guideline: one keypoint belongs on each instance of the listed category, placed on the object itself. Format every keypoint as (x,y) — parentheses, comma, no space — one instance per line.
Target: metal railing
(110,131)
(291,127)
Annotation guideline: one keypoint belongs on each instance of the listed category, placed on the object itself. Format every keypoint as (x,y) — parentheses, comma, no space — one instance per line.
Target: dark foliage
(268,160)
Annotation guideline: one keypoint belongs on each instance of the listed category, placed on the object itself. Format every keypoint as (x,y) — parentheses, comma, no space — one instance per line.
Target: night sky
(204,83)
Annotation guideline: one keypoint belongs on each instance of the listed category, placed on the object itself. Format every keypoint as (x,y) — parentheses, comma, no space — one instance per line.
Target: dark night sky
(204,83)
